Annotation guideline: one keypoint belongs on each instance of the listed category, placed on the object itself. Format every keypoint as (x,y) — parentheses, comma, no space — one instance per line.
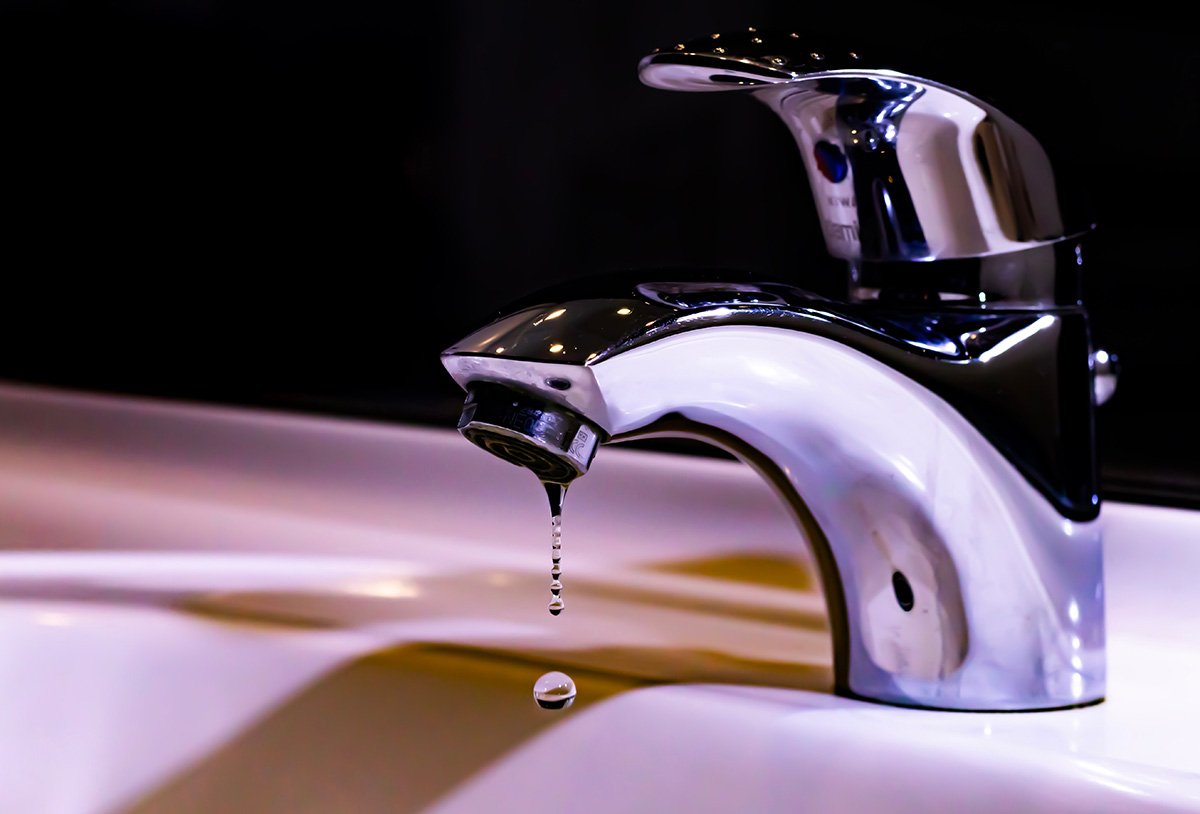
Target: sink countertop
(211,607)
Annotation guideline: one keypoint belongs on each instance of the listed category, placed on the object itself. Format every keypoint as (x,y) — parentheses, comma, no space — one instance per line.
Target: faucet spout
(952,580)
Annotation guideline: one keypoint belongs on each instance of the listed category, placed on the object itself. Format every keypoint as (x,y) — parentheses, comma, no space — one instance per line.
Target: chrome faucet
(932,431)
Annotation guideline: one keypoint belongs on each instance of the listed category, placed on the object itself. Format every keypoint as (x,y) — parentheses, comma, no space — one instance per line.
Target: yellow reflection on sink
(390,732)
(755,569)
(732,619)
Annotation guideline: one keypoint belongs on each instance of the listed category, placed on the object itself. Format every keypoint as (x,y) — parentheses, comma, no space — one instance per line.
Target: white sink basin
(217,610)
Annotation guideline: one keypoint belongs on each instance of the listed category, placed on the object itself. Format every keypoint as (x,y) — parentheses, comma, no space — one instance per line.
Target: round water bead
(554,690)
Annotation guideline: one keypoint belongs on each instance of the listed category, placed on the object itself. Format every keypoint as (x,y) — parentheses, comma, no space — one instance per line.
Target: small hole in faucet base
(903,591)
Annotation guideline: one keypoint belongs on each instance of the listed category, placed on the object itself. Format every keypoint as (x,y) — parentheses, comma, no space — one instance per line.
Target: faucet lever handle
(902,168)
(738,60)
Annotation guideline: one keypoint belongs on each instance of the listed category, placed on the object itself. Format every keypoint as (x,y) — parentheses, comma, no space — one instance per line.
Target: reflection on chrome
(1010,342)
(1106,369)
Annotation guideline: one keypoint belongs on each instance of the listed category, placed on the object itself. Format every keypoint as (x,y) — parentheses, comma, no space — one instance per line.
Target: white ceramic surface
(207,609)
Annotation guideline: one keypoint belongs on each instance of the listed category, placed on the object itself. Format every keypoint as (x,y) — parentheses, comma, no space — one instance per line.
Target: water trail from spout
(555,493)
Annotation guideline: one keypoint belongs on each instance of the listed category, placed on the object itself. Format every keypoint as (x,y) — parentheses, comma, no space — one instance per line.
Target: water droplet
(554,690)
(556,606)
(555,586)
(556,493)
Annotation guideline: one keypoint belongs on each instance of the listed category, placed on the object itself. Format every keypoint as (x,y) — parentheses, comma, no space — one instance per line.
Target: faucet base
(845,693)
(1006,610)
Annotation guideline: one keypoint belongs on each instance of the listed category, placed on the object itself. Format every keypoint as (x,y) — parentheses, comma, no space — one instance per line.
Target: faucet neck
(1022,377)
(932,538)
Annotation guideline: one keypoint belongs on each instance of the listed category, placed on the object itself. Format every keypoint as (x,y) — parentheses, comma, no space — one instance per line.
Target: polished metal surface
(902,168)
(950,446)
(933,436)
(1005,607)
(1021,377)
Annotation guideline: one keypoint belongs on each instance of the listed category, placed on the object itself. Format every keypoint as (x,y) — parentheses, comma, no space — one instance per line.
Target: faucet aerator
(551,441)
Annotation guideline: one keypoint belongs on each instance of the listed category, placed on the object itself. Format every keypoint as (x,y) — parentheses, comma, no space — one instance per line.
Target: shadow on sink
(649,626)
(443,689)
(356,741)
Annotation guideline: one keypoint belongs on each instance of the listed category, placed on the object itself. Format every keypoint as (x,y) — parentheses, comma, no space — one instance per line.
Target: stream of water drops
(556,493)
(555,690)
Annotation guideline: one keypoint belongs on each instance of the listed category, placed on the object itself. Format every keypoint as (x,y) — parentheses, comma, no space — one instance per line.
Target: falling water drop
(554,690)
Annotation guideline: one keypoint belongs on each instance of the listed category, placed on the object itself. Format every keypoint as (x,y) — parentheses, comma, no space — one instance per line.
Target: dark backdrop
(299,204)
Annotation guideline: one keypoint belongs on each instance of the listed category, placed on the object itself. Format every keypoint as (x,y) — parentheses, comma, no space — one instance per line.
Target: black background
(299,204)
